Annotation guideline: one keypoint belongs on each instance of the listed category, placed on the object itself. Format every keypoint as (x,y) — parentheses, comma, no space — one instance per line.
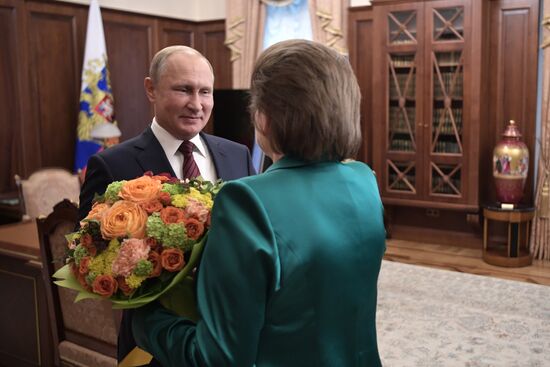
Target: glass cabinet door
(402,74)
(423,137)
(446,149)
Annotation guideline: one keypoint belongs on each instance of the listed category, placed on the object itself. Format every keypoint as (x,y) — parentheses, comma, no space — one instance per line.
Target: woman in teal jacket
(289,274)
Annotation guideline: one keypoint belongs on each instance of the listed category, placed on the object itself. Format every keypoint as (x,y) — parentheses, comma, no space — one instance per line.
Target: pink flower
(131,252)
(197,210)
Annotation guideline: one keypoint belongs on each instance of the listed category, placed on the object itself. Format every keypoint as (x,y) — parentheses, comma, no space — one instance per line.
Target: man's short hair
(159,60)
(311,98)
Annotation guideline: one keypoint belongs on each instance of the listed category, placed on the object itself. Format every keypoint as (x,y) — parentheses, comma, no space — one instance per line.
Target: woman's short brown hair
(311,99)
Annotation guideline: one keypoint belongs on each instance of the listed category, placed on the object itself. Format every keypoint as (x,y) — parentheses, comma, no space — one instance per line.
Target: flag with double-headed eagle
(96,120)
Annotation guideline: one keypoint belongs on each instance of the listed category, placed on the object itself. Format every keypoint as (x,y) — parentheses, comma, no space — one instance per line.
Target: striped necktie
(190,168)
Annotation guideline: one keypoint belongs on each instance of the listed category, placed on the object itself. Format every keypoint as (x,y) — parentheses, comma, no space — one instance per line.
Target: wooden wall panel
(176,33)
(360,50)
(55,45)
(209,40)
(130,45)
(10,142)
(512,69)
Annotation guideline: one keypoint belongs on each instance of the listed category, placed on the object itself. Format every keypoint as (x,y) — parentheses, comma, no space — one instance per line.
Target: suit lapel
(219,156)
(150,155)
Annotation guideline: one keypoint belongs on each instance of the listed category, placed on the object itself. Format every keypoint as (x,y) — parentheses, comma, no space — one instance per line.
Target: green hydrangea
(179,200)
(182,200)
(79,253)
(172,189)
(111,193)
(156,227)
(101,264)
(90,277)
(143,268)
(175,236)
(134,281)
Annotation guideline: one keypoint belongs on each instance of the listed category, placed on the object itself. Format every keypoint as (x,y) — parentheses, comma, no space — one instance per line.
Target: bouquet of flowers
(140,239)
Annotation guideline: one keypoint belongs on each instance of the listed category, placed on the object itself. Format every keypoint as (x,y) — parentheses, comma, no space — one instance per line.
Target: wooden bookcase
(425,111)
(497,44)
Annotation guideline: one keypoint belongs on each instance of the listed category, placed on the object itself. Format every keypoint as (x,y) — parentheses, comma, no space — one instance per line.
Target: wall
(195,10)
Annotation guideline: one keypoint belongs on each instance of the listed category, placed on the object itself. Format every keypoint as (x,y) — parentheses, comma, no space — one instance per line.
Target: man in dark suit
(180,86)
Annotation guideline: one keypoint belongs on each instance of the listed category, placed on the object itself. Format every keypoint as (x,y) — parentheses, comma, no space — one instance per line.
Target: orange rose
(74,270)
(124,287)
(84,265)
(141,189)
(165,198)
(80,277)
(153,244)
(104,285)
(83,282)
(171,214)
(124,218)
(161,178)
(154,258)
(172,259)
(152,206)
(98,209)
(194,228)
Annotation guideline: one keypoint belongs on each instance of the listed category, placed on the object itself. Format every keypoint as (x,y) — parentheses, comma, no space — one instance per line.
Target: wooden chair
(45,188)
(85,332)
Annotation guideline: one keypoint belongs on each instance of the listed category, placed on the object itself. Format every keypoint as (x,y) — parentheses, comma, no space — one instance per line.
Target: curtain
(540,235)
(329,22)
(244,29)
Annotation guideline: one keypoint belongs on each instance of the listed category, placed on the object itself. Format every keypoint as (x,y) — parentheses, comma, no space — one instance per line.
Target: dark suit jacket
(143,153)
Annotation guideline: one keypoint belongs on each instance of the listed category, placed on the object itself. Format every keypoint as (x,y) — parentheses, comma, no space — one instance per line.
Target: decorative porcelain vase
(510,165)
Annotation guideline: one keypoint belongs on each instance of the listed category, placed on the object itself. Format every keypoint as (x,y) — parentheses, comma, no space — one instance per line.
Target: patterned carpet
(437,318)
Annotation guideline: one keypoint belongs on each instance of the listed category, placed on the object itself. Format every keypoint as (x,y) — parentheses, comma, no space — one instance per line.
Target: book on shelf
(397,120)
(441,187)
(447,124)
(447,78)
(404,40)
(399,184)
(398,89)
(401,144)
(402,61)
(449,147)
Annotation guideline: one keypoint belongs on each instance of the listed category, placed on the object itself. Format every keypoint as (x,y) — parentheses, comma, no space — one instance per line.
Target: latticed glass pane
(402,27)
(401,176)
(401,129)
(402,104)
(447,126)
(446,179)
(448,24)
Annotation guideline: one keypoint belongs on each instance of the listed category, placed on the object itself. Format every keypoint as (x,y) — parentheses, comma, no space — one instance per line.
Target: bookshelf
(422,118)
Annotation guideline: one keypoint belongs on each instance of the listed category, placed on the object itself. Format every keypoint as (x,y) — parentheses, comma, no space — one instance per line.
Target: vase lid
(511,130)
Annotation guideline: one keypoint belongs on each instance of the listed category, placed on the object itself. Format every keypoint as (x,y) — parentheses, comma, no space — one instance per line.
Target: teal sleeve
(239,269)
